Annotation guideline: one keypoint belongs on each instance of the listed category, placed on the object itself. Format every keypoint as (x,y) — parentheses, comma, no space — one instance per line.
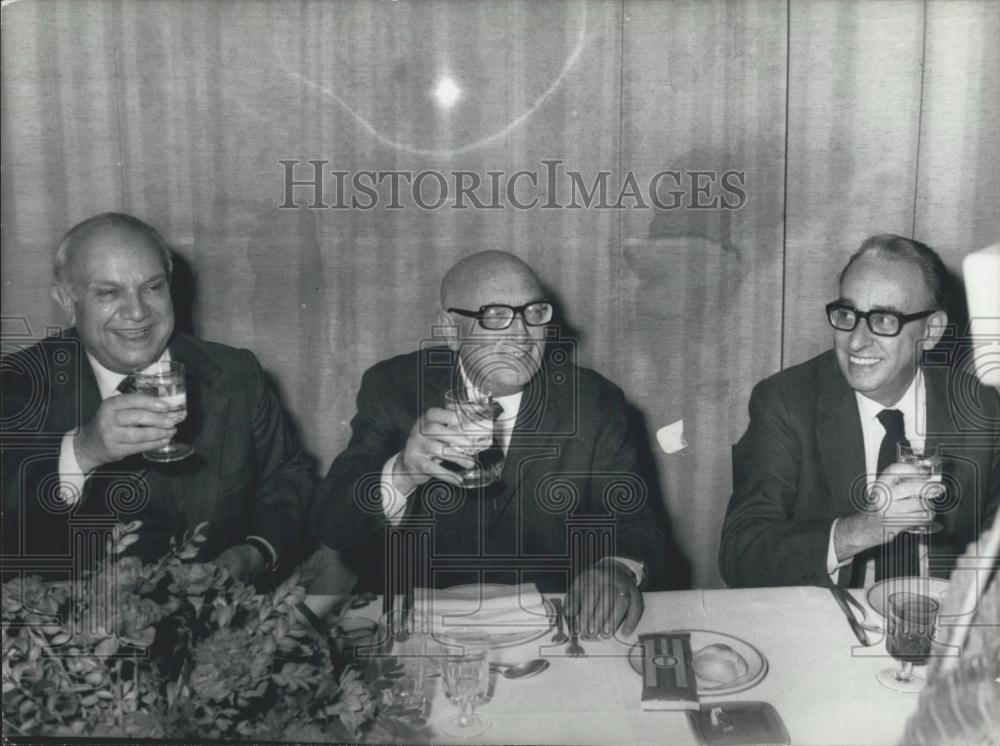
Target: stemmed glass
(466,680)
(910,623)
(165,380)
(474,408)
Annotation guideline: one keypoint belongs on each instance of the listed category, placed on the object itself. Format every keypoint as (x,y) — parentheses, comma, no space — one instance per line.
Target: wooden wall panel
(853,123)
(60,146)
(701,288)
(958,192)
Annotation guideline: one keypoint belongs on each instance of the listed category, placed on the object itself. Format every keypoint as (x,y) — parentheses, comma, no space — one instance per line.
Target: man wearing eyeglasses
(818,493)
(561,430)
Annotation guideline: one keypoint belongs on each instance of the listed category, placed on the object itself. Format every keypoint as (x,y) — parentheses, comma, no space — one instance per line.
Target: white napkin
(496,610)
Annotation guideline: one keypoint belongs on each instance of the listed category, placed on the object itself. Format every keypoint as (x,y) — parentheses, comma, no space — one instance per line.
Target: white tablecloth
(820,680)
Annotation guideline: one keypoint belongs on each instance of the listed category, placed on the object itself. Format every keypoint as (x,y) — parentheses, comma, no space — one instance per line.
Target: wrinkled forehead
(512,286)
(115,250)
(882,283)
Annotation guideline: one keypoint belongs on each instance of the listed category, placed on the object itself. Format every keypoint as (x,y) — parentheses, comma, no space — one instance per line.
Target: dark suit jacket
(248,475)
(572,463)
(802,459)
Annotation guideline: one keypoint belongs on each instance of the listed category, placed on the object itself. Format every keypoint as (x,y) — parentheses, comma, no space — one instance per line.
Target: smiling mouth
(134,333)
(863,361)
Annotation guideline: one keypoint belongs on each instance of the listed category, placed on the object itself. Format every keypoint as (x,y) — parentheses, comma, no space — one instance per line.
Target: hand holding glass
(165,381)
(910,624)
(927,459)
(475,424)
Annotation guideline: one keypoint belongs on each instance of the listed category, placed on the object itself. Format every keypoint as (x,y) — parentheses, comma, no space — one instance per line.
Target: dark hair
(82,230)
(894,248)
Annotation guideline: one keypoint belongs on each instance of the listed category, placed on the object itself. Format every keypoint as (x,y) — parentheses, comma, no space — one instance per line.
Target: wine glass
(910,623)
(475,421)
(165,380)
(466,680)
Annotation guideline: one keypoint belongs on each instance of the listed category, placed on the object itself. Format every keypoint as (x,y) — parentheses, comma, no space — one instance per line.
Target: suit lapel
(840,440)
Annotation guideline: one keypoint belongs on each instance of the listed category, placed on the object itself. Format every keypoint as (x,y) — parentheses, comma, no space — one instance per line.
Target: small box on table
(668,679)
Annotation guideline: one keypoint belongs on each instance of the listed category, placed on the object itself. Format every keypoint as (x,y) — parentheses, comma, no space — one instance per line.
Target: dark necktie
(897,557)
(127,385)
(494,453)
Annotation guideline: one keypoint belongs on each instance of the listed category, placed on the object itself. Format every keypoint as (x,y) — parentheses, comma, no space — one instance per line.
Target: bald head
(487,277)
(501,361)
(97,230)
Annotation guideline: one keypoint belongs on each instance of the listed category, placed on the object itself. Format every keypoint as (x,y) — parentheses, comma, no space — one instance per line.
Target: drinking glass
(910,624)
(466,680)
(412,655)
(475,420)
(165,380)
(926,458)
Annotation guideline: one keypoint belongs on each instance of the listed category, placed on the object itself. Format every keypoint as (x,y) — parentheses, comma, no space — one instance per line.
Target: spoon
(520,670)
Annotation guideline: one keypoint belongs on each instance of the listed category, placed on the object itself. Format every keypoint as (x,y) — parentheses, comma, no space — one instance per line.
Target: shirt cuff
(832,564)
(71,476)
(393,501)
(266,548)
(637,568)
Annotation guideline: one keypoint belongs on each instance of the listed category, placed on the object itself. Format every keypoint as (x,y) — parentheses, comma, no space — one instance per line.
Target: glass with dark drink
(910,624)
(475,409)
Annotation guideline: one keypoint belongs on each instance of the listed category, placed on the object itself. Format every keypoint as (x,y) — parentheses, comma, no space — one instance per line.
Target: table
(820,680)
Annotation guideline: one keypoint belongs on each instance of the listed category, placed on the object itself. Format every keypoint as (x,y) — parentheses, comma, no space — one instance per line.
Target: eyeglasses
(496,317)
(883,323)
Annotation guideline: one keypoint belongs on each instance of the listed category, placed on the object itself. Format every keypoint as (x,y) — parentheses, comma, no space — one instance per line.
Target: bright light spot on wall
(446,92)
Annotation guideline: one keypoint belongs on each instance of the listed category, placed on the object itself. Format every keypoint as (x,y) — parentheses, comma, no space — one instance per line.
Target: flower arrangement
(178,649)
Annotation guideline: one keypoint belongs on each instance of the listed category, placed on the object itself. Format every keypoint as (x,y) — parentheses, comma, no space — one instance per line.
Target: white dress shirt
(913,405)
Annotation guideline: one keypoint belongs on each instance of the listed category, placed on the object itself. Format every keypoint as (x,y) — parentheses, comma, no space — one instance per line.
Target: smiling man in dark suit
(817,495)
(74,433)
(573,506)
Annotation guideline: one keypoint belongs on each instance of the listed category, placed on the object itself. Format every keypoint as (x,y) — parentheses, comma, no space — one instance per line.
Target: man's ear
(934,329)
(447,327)
(62,295)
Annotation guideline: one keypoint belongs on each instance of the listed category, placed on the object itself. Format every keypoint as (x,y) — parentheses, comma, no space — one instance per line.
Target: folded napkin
(496,610)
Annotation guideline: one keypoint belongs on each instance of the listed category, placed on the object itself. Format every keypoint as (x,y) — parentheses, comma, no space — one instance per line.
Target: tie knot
(892,421)
(497,410)
(127,385)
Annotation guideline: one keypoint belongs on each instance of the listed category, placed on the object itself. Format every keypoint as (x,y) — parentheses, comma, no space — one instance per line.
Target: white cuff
(393,501)
(832,564)
(637,568)
(71,476)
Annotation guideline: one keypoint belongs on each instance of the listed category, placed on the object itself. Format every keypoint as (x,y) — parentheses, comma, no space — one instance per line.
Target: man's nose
(135,308)
(861,336)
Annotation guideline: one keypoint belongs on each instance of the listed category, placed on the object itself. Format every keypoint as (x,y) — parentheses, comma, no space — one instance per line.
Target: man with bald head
(75,430)
(570,459)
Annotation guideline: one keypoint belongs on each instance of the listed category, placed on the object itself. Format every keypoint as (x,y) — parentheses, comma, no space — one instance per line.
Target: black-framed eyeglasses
(883,323)
(497,316)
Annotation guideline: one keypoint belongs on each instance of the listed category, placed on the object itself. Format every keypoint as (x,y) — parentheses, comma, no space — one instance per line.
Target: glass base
(476,726)
(890,677)
(172,452)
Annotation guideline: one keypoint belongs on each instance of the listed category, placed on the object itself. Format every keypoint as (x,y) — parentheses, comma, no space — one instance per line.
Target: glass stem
(465,712)
(906,673)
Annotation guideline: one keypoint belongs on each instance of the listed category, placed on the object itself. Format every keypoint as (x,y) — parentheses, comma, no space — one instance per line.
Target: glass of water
(466,671)
(165,381)
(926,458)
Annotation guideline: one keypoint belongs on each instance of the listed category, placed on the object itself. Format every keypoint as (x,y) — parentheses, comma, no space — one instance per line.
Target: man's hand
(604,597)
(124,425)
(243,562)
(436,436)
(901,492)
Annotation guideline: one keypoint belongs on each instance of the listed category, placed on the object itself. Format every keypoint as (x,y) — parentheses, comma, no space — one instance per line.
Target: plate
(516,636)
(878,594)
(756,662)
